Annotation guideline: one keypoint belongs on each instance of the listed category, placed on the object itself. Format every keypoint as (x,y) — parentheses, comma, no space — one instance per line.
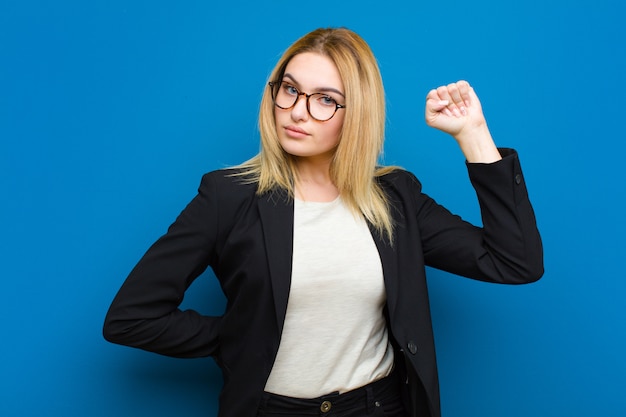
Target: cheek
(334,129)
(281,117)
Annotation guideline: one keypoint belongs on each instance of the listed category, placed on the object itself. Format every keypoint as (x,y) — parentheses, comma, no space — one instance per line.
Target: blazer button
(518,179)
(325,406)
(412,347)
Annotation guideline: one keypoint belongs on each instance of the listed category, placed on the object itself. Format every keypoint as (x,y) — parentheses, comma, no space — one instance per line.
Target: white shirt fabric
(335,335)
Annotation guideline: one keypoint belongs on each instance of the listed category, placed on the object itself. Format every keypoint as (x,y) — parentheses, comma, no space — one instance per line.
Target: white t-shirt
(335,335)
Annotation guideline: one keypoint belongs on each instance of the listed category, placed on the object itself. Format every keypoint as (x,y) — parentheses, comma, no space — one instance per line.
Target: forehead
(314,71)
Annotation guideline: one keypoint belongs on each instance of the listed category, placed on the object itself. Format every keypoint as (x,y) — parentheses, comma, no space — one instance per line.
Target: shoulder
(226,190)
(228,181)
(224,197)
(235,187)
(391,178)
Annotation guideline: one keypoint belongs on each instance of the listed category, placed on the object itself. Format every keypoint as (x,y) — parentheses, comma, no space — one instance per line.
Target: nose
(299,110)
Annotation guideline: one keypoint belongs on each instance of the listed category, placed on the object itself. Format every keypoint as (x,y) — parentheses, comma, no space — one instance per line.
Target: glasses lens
(321,106)
(285,95)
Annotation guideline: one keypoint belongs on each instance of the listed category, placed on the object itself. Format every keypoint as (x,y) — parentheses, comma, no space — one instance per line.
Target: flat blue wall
(110,111)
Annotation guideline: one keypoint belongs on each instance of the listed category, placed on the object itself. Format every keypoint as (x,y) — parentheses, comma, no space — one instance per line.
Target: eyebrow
(320,89)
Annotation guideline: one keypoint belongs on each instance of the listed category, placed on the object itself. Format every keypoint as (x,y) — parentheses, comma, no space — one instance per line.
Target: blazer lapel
(276,213)
(389,262)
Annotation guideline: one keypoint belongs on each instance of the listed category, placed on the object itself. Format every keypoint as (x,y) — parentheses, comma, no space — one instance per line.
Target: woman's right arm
(145,312)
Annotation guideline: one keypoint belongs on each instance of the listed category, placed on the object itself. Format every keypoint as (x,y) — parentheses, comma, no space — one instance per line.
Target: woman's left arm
(508,247)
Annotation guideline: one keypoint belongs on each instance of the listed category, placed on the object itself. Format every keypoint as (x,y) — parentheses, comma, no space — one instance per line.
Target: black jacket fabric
(247,241)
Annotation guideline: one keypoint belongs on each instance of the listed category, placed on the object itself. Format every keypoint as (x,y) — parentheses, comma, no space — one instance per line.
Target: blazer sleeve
(507,249)
(145,313)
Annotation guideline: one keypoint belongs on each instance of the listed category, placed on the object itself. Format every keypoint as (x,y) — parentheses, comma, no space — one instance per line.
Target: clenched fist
(455,109)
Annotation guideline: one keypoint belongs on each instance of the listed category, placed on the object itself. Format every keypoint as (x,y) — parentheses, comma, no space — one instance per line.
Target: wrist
(477,145)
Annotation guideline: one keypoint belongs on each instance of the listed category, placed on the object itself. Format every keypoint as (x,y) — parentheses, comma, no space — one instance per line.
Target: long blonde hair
(353,169)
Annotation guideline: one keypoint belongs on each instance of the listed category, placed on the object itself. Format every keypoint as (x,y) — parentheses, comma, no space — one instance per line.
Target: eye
(326,101)
(290,89)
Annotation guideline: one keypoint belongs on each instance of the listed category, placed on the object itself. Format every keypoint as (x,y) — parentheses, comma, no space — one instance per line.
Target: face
(299,134)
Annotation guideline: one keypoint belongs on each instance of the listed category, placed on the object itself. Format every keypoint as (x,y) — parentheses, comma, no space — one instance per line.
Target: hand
(456,110)
(453,108)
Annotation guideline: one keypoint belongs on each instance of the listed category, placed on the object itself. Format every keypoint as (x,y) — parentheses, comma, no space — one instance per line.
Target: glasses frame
(275,85)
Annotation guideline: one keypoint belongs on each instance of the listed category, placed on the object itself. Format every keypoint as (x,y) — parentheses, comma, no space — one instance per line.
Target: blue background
(110,111)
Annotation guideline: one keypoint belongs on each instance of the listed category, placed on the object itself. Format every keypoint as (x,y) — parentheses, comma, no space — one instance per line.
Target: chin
(293,149)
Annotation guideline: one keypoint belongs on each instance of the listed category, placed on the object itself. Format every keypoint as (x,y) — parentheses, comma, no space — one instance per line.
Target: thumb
(436,106)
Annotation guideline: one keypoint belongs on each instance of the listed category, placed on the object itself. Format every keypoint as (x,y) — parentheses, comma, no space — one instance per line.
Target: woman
(321,253)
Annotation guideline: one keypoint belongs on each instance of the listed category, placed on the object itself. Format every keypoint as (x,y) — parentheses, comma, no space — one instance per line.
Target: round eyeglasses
(320,106)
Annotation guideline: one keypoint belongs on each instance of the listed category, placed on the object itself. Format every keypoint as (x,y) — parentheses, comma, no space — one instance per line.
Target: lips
(295,131)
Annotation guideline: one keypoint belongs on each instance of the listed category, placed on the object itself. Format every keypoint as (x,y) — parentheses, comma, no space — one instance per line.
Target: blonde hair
(354,168)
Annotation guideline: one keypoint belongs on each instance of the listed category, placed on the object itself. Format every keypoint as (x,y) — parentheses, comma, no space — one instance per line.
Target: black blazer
(247,240)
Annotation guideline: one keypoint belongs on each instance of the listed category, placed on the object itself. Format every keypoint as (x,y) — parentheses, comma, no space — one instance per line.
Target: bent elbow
(112,331)
(534,275)
(534,270)
(119,330)
(524,271)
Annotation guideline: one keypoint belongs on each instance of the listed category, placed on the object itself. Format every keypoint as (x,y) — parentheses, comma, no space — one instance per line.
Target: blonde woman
(321,253)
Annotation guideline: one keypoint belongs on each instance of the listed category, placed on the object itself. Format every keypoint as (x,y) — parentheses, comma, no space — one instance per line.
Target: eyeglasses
(320,106)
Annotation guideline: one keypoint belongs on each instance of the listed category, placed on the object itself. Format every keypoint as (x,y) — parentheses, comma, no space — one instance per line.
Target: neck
(313,181)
